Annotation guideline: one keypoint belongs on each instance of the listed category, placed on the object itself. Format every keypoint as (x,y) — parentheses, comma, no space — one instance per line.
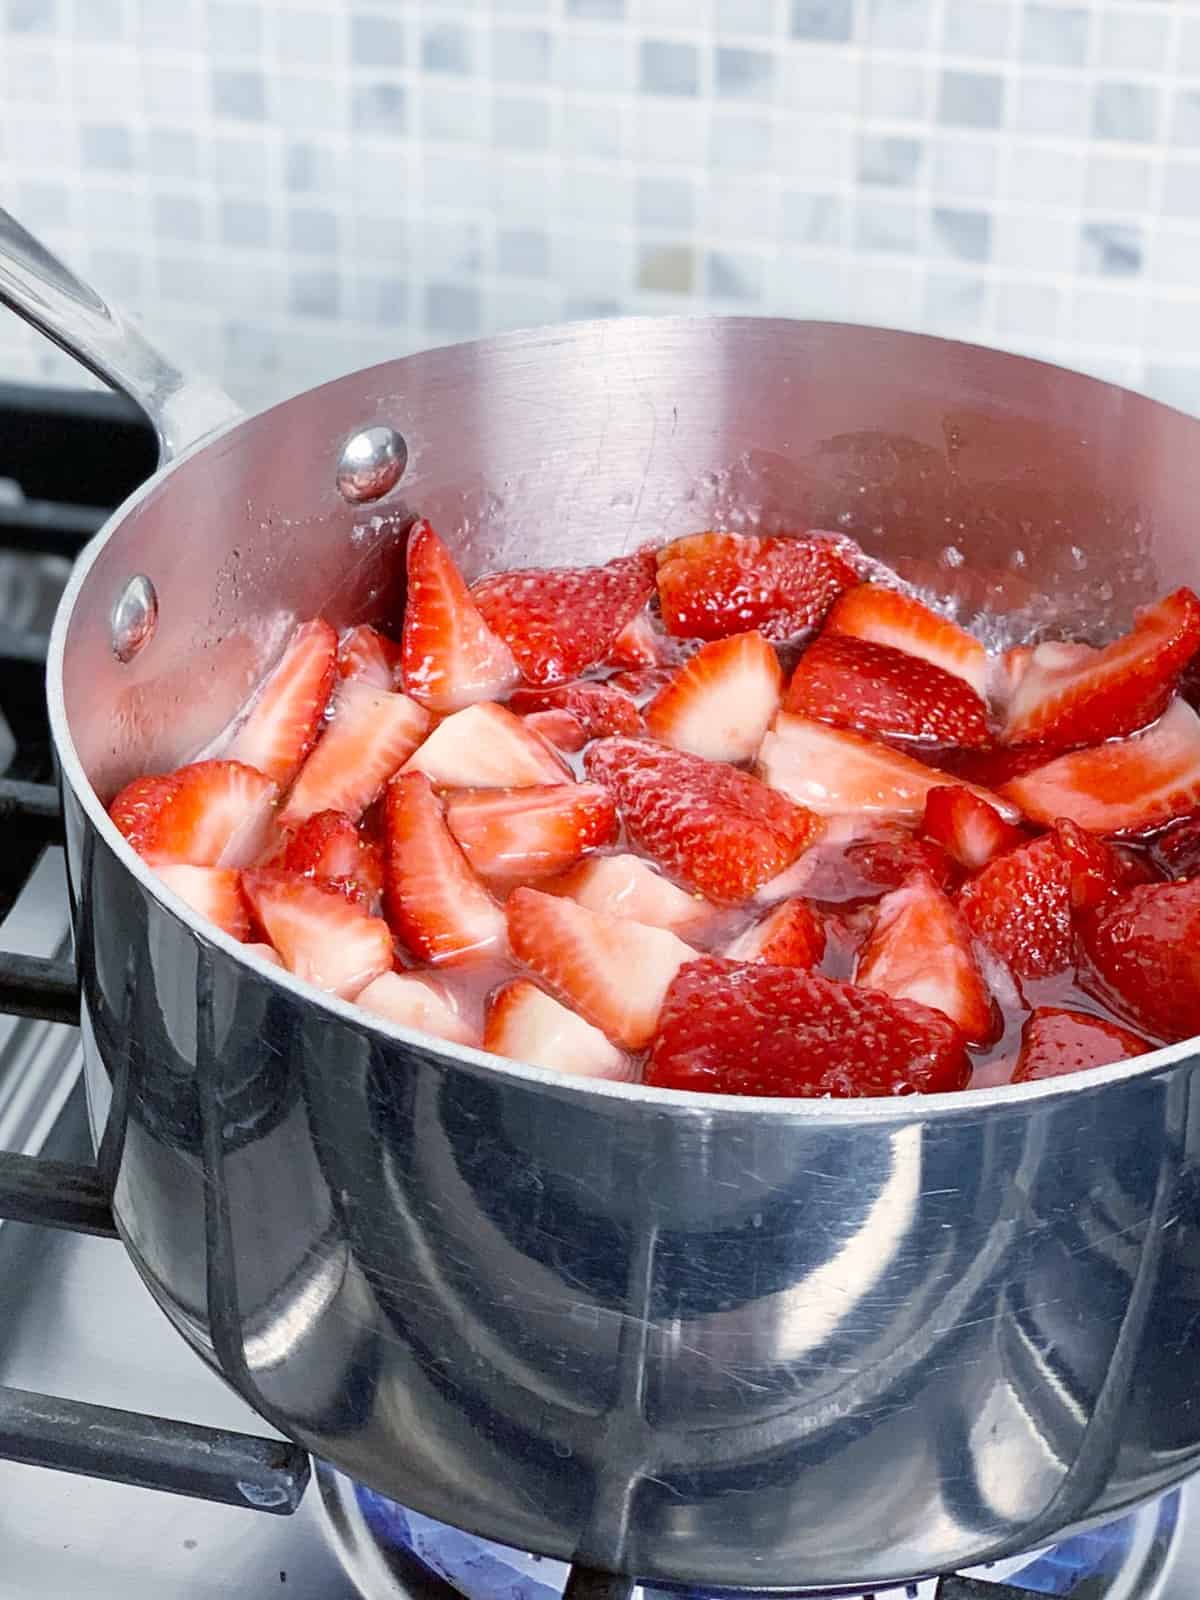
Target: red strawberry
(791,935)
(889,617)
(371,735)
(721,701)
(834,771)
(213,892)
(1098,873)
(989,769)
(640,683)
(420,1003)
(599,707)
(371,657)
(1110,692)
(515,835)
(486,747)
(217,814)
(559,621)
(639,644)
(434,901)
(323,938)
(136,808)
(717,830)
(450,656)
(559,728)
(920,949)
(1020,906)
(1055,1042)
(614,972)
(286,716)
(1142,957)
(713,584)
(967,828)
(1124,786)
(328,846)
(526,1024)
(1178,848)
(728,1028)
(855,683)
(624,886)
(886,863)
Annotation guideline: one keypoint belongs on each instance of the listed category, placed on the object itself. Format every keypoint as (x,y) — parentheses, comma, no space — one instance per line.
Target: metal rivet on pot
(372,462)
(134,618)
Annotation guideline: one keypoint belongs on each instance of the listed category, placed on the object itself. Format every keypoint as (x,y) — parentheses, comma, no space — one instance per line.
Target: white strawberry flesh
(526,1024)
(371,735)
(420,1003)
(323,937)
(721,701)
(487,747)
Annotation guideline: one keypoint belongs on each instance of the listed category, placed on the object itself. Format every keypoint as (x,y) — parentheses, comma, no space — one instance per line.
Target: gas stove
(127,1468)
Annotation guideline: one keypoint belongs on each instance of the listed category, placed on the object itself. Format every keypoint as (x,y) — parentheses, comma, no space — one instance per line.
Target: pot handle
(38,287)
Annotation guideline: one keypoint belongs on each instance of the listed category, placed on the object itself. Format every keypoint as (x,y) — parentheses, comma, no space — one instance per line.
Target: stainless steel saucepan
(701,1339)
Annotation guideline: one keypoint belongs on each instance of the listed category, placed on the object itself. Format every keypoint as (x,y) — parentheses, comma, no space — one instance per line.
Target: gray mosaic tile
(885,292)
(668,67)
(173,93)
(1176,257)
(891,225)
(831,20)
(99,19)
(1112,249)
(976,28)
(234,29)
(665,203)
(452,308)
(309,38)
(746,73)
(895,90)
(239,164)
(44,205)
(971,99)
(452,249)
(1055,35)
(1131,39)
(312,230)
(239,95)
(316,293)
(446,47)
(118,273)
(521,55)
(245,224)
(377,41)
(1127,111)
(1185,117)
(106,147)
(178,216)
(309,167)
(744,142)
(738,206)
(382,301)
(1016,234)
(31,16)
(965,234)
(593,61)
(456,113)
(1187,54)
(745,16)
(889,160)
(249,345)
(1117,182)
(667,269)
(811,219)
(1175,386)
(963,167)
(733,277)
(1181,189)
(379,108)
(1039,174)
(1172,324)
(591,308)
(595,131)
(597,10)
(953,303)
(379,238)
(1104,316)
(898,24)
(1028,308)
(1058,106)
(178,25)
(33,76)
(814,80)
(521,124)
(523,252)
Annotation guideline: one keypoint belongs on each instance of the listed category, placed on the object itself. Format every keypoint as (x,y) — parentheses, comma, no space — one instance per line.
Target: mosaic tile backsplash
(290,189)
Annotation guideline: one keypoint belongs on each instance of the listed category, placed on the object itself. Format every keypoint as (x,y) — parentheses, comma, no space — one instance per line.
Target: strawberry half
(833,771)
(286,716)
(885,863)
(559,728)
(791,935)
(601,709)
(1142,957)
(559,621)
(416,1002)
(1055,1042)
(889,617)
(323,938)
(639,644)
(726,1028)
(434,901)
(328,846)
(450,657)
(713,584)
(486,747)
(211,814)
(967,828)
(1125,786)
(1020,906)
(371,735)
(855,683)
(721,701)
(1110,692)
(624,886)
(526,1024)
(920,949)
(613,971)
(516,835)
(370,657)
(718,831)
(214,893)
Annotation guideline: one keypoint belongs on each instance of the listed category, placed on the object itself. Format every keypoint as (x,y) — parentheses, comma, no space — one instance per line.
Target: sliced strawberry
(1020,906)
(1055,1042)
(518,835)
(328,846)
(884,616)
(213,892)
(639,644)
(1125,786)
(486,747)
(713,584)
(1178,848)
(263,952)
(920,949)
(526,1024)
(641,683)
(728,1028)
(886,863)
(791,935)
(218,815)
(323,937)
(451,658)
(600,708)
(624,886)
(989,769)
(136,808)
(434,900)
(286,715)
(1110,692)
(371,657)
(717,830)
(1142,957)
(833,770)
(1098,873)
(559,621)
(721,701)
(613,971)
(371,735)
(967,828)
(559,728)
(416,1002)
(855,683)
